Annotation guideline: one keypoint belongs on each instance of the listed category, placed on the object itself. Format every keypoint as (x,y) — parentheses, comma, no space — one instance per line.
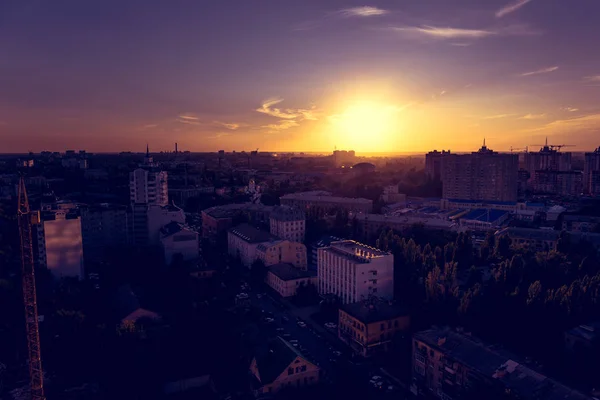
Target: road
(319,344)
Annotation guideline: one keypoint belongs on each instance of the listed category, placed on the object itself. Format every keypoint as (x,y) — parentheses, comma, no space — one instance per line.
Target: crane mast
(26,220)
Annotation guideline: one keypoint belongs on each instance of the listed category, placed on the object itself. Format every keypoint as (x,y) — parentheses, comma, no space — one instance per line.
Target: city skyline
(378,76)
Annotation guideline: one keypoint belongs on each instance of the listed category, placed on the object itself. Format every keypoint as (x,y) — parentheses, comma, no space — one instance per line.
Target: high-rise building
(591,173)
(103,226)
(433,164)
(481,175)
(355,272)
(59,243)
(288,223)
(549,158)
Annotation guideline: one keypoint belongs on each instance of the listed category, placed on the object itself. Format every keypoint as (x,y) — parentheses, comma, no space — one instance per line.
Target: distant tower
(26,219)
(147,159)
(175,147)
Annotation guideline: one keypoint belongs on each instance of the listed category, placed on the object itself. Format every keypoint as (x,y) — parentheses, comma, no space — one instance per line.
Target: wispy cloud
(146,127)
(570,109)
(510,8)
(497,116)
(460,44)
(582,123)
(219,135)
(593,80)
(445,33)
(533,116)
(540,71)
(188,117)
(230,126)
(282,125)
(364,11)
(267,108)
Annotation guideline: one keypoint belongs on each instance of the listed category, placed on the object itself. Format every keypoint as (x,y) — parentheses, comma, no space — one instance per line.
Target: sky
(298,75)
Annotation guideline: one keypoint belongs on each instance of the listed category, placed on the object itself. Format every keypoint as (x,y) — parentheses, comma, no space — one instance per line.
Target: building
(370,225)
(288,223)
(581,223)
(481,175)
(324,241)
(285,279)
(545,239)
(391,195)
(591,173)
(363,168)
(243,240)
(148,185)
(217,220)
(282,251)
(321,203)
(371,327)
(282,366)
(178,240)
(433,164)
(59,243)
(549,158)
(583,338)
(355,272)
(158,217)
(343,158)
(481,219)
(103,227)
(452,365)
(181,195)
(564,183)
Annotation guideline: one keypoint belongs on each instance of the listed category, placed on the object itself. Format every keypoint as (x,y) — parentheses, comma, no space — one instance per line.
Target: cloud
(533,116)
(282,125)
(570,109)
(510,8)
(219,135)
(446,33)
(593,80)
(498,116)
(364,11)
(567,125)
(188,117)
(460,44)
(266,108)
(230,126)
(540,71)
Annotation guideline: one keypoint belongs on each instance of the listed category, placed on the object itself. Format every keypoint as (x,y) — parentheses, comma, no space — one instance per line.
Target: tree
(258,271)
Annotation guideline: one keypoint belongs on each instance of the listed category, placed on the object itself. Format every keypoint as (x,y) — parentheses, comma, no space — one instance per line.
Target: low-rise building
(583,338)
(285,279)
(282,366)
(581,223)
(282,251)
(243,240)
(371,327)
(321,203)
(451,365)
(354,272)
(371,224)
(217,220)
(288,223)
(176,239)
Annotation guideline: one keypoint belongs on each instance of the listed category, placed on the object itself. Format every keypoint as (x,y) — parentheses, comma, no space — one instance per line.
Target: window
(303,368)
(395,323)
(382,327)
(389,324)
(290,371)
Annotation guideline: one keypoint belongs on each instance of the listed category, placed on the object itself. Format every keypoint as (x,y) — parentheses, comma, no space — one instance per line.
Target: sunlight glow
(367,126)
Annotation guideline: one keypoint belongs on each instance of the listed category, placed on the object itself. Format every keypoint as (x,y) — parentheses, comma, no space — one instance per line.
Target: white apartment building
(354,271)
(178,239)
(243,240)
(59,243)
(288,223)
(148,186)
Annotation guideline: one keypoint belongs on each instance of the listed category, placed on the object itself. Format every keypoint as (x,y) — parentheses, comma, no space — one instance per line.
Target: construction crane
(519,149)
(26,221)
(552,147)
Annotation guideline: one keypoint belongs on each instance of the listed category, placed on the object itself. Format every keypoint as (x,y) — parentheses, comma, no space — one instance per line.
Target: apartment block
(288,223)
(433,164)
(591,172)
(452,365)
(243,240)
(355,272)
(371,327)
(285,279)
(320,203)
(282,251)
(481,175)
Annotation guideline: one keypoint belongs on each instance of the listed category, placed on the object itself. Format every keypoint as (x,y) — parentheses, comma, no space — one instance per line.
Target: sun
(366,126)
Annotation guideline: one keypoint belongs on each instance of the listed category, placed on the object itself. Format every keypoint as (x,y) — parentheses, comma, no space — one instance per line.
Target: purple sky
(110,75)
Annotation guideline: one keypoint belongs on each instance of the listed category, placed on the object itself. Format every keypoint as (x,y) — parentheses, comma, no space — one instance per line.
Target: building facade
(547,159)
(355,272)
(565,183)
(282,251)
(217,220)
(433,164)
(243,240)
(103,227)
(59,243)
(178,240)
(285,279)
(371,327)
(288,223)
(481,175)
(591,173)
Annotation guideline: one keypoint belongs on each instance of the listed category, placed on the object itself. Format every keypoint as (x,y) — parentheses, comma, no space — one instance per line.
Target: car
(293,341)
(338,353)
(301,324)
(279,329)
(258,296)
(376,378)
(269,320)
(287,335)
(284,318)
(295,344)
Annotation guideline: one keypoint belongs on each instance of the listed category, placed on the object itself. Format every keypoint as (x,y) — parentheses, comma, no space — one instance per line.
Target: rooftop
(325,197)
(251,234)
(369,313)
(495,363)
(231,210)
(485,215)
(590,331)
(287,272)
(287,213)
(275,360)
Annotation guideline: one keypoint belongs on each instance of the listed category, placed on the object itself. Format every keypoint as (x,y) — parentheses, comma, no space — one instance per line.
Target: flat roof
(369,313)
(288,272)
(251,234)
